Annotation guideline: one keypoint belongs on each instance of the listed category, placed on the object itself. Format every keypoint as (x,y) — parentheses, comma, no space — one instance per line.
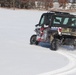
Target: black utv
(57,28)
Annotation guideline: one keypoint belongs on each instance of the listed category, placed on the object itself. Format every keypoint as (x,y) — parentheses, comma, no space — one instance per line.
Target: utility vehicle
(57,28)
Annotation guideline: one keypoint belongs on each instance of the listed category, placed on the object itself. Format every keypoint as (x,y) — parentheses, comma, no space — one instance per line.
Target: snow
(17,56)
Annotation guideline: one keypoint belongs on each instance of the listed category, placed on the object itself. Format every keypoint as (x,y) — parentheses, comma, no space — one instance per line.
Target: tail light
(59,30)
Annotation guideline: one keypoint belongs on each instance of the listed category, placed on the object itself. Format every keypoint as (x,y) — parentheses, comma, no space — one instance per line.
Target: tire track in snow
(68,69)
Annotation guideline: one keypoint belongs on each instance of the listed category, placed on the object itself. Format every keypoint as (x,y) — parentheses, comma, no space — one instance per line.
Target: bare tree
(62,3)
(14,4)
(32,3)
(48,3)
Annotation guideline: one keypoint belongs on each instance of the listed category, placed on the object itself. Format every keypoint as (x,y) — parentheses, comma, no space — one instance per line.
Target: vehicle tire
(74,46)
(54,45)
(33,40)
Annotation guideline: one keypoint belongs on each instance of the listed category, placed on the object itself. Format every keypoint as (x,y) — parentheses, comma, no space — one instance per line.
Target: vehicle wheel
(33,40)
(74,46)
(54,45)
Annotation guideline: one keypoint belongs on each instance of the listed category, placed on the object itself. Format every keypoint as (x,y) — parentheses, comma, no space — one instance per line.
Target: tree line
(28,4)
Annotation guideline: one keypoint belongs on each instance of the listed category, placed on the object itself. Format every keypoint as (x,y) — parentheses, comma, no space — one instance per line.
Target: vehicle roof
(60,13)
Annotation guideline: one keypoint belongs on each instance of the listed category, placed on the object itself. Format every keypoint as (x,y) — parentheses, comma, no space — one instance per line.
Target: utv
(57,28)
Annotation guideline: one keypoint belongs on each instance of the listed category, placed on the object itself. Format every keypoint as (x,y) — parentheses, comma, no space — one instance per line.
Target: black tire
(33,40)
(74,46)
(54,45)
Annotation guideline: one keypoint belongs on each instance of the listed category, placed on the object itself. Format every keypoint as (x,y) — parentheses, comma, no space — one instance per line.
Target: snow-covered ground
(18,57)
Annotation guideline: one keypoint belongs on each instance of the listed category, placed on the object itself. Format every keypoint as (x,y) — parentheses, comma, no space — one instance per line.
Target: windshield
(42,20)
(45,19)
(64,21)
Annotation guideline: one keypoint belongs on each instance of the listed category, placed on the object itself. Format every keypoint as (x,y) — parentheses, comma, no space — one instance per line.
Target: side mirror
(36,25)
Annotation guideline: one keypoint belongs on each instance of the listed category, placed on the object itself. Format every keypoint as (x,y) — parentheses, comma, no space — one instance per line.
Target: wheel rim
(33,40)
